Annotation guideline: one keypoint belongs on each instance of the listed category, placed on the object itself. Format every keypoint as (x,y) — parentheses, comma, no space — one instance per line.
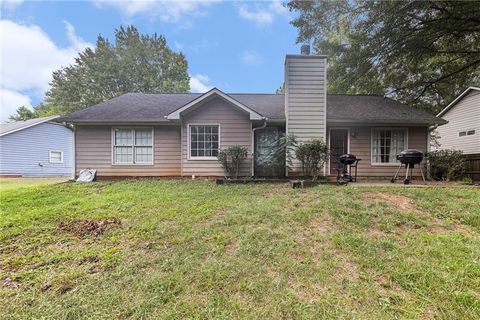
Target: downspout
(265,120)
(73,155)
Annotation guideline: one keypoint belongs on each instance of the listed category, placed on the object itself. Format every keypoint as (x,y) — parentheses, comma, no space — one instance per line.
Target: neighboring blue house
(36,148)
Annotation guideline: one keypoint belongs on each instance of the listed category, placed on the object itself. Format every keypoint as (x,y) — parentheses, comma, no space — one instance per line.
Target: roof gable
(457,100)
(12,127)
(175,115)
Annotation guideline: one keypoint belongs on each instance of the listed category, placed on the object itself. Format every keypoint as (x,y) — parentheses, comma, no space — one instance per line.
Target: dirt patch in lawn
(402,203)
(346,267)
(321,225)
(10,283)
(82,228)
(232,247)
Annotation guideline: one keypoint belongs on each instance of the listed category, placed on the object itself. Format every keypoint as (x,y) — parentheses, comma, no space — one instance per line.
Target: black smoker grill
(409,158)
(348,162)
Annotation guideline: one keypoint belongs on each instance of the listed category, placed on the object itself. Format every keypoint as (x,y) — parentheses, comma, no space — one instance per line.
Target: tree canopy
(132,63)
(423,53)
(23,113)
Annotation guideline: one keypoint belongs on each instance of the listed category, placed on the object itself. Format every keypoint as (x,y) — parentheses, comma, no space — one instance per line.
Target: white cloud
(250,57)
(77,43)
(262,14)
(199,83)
(167,11)
(10,101)
(28,57)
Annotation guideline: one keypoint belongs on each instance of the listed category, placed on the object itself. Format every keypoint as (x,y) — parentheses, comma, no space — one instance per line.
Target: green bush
(313,155)
(446,164)
(231,158)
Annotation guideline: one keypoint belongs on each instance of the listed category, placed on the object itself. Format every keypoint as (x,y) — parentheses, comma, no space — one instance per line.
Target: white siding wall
(465,115)
(305,99)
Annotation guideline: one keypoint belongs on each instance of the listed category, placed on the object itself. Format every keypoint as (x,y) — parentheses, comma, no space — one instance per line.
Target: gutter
(265,120)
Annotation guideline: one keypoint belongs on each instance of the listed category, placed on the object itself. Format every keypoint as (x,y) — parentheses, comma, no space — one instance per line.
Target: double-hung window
(386,144)
(133,146)
(204,141)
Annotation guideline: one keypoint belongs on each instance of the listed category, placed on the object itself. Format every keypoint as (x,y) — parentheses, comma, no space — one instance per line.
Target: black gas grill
(348,162)
(409,158)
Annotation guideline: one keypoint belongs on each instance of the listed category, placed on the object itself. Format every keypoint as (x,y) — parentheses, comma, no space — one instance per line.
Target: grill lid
(412,156)
(348,158)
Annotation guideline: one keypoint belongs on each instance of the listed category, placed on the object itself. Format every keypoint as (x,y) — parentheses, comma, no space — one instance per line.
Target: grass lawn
(191,249)
(7,183)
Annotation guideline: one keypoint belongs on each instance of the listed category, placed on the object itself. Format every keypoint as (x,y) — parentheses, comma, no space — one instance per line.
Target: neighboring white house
(462,132)
(36,147)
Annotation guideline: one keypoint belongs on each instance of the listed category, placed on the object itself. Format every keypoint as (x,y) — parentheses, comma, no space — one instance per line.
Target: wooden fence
(472,165)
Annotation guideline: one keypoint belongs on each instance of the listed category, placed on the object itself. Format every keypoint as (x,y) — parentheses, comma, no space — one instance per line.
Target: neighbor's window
(387,143)
(466,133)
(133,146)
(55,156)
(204,141)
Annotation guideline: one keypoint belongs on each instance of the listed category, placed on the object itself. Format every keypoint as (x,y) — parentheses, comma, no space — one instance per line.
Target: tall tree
(420,52)
(133,63)
(23,113)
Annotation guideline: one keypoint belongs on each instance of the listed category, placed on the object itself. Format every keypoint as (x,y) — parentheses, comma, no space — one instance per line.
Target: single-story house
(170,134)
(36,148)
(462,132)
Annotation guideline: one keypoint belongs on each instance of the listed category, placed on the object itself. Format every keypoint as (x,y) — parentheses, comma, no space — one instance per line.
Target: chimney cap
(305,49)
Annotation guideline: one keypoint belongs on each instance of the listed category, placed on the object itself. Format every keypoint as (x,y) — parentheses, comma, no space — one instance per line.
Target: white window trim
(129,163)
(189,157)
(50,156)
(385,164)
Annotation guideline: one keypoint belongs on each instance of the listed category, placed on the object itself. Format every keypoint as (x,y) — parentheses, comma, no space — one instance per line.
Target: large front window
(133,146)
(386,144)
(204,140)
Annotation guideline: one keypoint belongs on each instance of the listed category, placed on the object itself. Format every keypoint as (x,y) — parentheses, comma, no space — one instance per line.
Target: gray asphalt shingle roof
(6,128)
(139,107)
(375,109)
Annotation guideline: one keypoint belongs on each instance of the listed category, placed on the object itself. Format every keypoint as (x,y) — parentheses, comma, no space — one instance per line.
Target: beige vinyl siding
(93,148)
(235,128)
(360,146)
(305,94)
(463,116)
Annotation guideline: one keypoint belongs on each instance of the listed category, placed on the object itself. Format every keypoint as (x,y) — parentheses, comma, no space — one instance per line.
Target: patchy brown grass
(404,203)
(232,247)
(322,225)
(191,249)
(82,228)
(400,202)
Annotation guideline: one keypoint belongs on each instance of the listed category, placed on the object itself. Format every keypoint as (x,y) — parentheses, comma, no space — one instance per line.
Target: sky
(236,46)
